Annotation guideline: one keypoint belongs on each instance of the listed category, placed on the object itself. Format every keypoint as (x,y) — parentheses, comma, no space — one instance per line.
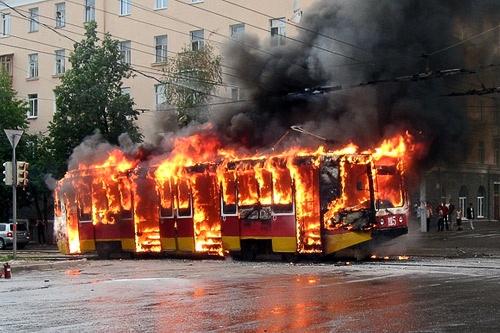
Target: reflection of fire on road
(206,200)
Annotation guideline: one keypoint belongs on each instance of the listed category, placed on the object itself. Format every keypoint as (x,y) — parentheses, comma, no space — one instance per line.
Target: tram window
(184,212)
(166,212)
(84,209)
(355,185)
(388,189)
(125,194)
(229,208)
(126,214)
(82,216)
(329,183)
(283,208)
(183,200)
(228,191)
(282,190)
(248,189)
(166,209)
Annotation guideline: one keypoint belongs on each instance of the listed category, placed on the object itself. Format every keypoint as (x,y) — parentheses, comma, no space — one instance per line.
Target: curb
(20,266)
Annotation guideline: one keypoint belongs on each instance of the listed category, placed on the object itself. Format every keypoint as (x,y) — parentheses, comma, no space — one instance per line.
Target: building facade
(37,37)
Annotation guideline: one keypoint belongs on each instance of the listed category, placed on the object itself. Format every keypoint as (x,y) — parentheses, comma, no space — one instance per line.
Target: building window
(235,94)
(161,48)
(278,35)
(481,152)
(481,193)
(496,152)
(33,106)
(126,52)
(462,203)
(159,4)
(462,198)
(237,30)
(160,95)
(33,65)
(197,37)
(125,7)
(33,19)
(480,207)
(6,63)
(60,15)
(5,25)
(60,64)
(89,10)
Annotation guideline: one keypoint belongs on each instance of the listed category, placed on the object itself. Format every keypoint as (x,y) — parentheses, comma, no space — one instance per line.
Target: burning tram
(291,204)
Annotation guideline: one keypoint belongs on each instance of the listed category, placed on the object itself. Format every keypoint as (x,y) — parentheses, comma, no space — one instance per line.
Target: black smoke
(371,49)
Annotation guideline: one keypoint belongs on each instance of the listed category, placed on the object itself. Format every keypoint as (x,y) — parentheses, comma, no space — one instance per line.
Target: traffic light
(22,173)
(7,173)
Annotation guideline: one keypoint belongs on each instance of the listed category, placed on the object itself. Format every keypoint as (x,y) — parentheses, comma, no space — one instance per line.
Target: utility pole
(14,136)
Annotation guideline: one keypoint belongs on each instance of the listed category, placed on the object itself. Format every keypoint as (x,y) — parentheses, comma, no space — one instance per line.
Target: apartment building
(37,36)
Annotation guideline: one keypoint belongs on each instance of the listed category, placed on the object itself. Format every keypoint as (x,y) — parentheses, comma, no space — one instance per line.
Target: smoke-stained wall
(375,51)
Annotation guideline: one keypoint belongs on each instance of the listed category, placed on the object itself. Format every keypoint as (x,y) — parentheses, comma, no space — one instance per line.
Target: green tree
(38,195)
(192,77)
(13,115)
(90,98)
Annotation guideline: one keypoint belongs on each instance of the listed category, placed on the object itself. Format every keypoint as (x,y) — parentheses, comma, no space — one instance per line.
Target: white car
(7,235)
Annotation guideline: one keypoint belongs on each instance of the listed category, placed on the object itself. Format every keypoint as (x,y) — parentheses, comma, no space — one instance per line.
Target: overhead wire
(24,16)
(285,37)
(41,23)
(148,23)
(128,17)
(300,27)
(132,67)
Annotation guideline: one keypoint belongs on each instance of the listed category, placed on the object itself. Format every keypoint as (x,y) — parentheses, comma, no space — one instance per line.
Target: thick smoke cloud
(361,47)
(355,43)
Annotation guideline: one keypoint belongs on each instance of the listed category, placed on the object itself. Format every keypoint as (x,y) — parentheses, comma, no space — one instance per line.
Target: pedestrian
(451,211)
(471,215)
(428,215)
(440,216)
(445,215)
(40,227)
(459,218)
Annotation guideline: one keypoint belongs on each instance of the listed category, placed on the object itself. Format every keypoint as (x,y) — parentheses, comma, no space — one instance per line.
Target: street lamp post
(14,136)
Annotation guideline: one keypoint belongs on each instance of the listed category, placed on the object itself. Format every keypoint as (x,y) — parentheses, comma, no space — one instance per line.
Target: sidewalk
(43,257)
(483,241)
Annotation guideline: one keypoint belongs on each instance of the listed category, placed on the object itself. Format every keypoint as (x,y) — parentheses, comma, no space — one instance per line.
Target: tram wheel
(248,251)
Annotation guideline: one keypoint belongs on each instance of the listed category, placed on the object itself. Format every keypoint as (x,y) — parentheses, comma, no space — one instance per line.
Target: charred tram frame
(320,204)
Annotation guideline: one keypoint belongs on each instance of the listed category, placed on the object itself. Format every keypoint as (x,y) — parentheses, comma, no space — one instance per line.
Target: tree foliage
(38,195)
(13,115)
(192,77)
(90,98)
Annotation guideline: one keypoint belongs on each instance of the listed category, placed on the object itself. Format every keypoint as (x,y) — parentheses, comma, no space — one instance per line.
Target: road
(431,295)
(448,284)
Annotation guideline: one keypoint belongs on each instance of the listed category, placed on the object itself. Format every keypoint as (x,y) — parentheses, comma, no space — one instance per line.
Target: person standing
(428,215)
(459,218)
(471,215)
(445,216)
(40,227)
(451,211)
(440,216)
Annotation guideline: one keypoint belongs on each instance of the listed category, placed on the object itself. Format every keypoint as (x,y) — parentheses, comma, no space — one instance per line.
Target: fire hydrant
(6,269)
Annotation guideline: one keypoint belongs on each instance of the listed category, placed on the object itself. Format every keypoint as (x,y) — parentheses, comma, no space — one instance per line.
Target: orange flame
(185,180)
